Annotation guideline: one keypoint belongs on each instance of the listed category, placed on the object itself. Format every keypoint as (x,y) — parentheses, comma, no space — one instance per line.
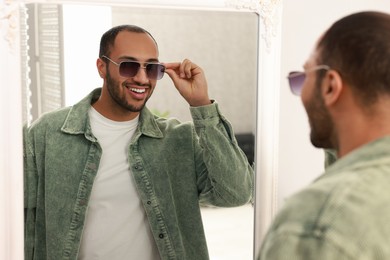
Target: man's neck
(360,127)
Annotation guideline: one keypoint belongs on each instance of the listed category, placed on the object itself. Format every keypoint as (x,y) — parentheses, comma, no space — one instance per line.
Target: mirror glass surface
(64,45)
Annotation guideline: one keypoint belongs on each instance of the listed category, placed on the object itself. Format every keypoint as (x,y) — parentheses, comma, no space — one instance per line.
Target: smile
(138,90)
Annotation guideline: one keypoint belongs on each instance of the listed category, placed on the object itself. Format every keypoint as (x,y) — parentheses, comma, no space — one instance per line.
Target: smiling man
(345,89)
(107,179)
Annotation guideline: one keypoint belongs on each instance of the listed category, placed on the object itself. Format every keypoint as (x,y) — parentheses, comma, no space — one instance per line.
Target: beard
(322,128)
(119,97)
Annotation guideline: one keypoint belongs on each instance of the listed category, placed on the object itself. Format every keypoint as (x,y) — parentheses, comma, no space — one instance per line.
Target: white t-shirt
(116,226)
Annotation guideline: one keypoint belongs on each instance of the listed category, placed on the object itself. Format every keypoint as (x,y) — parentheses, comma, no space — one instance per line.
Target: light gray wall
(224,44)
(302,23)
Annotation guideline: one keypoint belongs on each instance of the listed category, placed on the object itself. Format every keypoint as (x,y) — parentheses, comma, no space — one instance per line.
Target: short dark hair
(108,38)
(358,47)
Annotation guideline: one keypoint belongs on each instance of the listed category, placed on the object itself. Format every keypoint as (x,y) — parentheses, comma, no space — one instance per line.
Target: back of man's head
(358,47)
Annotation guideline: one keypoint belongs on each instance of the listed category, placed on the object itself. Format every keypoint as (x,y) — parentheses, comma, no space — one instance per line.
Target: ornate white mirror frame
(267,125)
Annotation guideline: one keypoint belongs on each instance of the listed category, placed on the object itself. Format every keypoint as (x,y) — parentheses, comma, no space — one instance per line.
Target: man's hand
(190,81)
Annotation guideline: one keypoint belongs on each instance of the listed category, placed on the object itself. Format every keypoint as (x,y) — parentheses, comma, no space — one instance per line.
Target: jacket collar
(367,154)
(77,120)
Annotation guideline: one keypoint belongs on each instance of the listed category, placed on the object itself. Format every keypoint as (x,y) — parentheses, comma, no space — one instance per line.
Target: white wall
(302,23)
(11,158)
(81,48)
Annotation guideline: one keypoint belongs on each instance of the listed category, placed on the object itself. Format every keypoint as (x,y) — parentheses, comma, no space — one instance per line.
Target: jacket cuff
(206,112)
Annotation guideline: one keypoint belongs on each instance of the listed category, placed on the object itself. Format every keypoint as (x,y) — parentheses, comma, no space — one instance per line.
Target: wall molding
(9,22)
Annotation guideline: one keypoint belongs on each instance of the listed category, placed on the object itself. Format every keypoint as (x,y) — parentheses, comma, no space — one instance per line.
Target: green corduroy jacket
(176,166)
(344,214)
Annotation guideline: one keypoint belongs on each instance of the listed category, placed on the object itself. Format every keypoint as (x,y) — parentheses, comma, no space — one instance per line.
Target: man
(106,179)
(345,213)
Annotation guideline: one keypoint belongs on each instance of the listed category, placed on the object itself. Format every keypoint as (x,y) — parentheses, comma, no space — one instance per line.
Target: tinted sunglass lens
(129,69)
(155,71)
(296,82)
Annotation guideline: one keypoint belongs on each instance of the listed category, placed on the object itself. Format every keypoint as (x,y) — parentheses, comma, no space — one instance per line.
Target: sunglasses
(129,69)
(296,78)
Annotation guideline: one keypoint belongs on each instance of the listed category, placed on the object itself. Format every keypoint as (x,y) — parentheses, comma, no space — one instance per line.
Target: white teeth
(142,90)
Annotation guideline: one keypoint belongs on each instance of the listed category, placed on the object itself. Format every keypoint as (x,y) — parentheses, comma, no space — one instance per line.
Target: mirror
(16,101)
(63,51)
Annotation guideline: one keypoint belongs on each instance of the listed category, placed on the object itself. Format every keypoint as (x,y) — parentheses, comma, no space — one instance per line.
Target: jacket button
(161,236)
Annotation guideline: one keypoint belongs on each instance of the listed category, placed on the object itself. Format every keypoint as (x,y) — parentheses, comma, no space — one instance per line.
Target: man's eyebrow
(135,59)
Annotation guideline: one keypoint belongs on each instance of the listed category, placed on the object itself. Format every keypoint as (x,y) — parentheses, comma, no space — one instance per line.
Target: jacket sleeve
(224,175)
(30,189)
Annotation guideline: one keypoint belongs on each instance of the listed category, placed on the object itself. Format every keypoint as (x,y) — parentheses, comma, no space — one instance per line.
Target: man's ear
(101,66)
(331,87)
